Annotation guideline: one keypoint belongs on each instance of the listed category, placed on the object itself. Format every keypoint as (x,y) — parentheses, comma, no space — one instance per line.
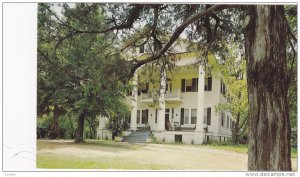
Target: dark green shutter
(209,83)
(147,112)
(194,84)
(182,116)
(182,85)
(208,116)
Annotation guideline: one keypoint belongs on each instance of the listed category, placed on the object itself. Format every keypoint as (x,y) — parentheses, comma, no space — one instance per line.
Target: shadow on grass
(104,145)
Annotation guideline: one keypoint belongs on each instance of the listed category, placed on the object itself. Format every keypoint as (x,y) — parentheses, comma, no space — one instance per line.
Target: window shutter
(182,85)
(205,116)
(197,81)
(194,84)
(208,116)
(209,83)
(182,116)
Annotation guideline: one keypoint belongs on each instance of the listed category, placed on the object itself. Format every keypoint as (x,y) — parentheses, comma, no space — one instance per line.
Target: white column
(162,101)
(200,99)
(134,102)
(102,121)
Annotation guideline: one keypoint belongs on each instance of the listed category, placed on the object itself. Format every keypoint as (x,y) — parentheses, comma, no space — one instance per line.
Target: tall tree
(81,74)
(269,124)
(265,38)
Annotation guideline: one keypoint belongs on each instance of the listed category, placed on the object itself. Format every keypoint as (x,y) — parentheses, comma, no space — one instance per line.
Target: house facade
(178,105)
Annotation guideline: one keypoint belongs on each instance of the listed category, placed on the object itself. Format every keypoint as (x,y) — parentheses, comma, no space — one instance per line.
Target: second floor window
(189,85)
(208,84)
(142,49)
(223,89)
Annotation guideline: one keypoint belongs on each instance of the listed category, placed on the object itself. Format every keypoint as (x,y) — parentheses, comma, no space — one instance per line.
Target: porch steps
(138,136)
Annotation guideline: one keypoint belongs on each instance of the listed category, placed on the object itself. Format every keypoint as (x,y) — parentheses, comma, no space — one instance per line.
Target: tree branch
(179,30)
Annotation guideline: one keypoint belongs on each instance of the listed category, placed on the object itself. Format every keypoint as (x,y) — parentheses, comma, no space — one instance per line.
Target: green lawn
(97,154)
(241,148)
(53,161)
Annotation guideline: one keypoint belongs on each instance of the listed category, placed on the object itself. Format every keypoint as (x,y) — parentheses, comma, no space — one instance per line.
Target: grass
(46,158)
(53,161)
(240,148)
(89,142)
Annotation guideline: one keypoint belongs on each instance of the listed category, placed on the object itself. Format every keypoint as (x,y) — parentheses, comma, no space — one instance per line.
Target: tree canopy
(95,39)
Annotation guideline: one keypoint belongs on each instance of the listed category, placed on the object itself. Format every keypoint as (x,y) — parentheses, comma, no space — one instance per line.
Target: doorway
(167,119)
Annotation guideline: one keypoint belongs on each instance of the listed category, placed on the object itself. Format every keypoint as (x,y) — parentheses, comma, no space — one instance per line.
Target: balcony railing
(153,96)
(149,97)
(173,95)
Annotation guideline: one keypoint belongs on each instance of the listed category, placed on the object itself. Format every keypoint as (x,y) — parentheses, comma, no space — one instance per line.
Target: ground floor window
(186,116)
(144,116)
(138,117)
(227,122)
(222,118)
(193,116)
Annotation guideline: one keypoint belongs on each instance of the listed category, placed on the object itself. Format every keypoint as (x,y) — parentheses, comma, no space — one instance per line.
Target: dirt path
(171,157)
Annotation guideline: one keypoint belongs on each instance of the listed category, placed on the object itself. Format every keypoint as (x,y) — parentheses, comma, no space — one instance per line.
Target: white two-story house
(178,105)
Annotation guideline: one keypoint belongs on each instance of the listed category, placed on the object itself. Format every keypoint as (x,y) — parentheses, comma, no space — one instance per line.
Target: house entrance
(167,120)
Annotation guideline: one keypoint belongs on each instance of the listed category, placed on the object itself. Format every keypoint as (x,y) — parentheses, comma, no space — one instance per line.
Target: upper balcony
(151,97)
(173,96)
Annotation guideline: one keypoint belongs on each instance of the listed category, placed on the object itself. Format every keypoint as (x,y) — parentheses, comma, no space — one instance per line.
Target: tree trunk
(55,127)
(269,124)
(80,128)
(235,130)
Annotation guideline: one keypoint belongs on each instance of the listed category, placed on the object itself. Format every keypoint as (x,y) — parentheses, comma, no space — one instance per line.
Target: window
(222,118)
(169,86)
(189,85)
(208,84)
(172,115)
(186,116)
(193,116)
(155,115)
(207,116)
(129,92)
(144,88)
(144,116)
(227,122)
(138,117)
(128,116)
(182,116)
(223,89)
(142,49)
(167,111)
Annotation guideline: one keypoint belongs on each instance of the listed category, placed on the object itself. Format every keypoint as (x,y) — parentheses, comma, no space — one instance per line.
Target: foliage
(76,75)
(291,15)
(118,121)
(234,77)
